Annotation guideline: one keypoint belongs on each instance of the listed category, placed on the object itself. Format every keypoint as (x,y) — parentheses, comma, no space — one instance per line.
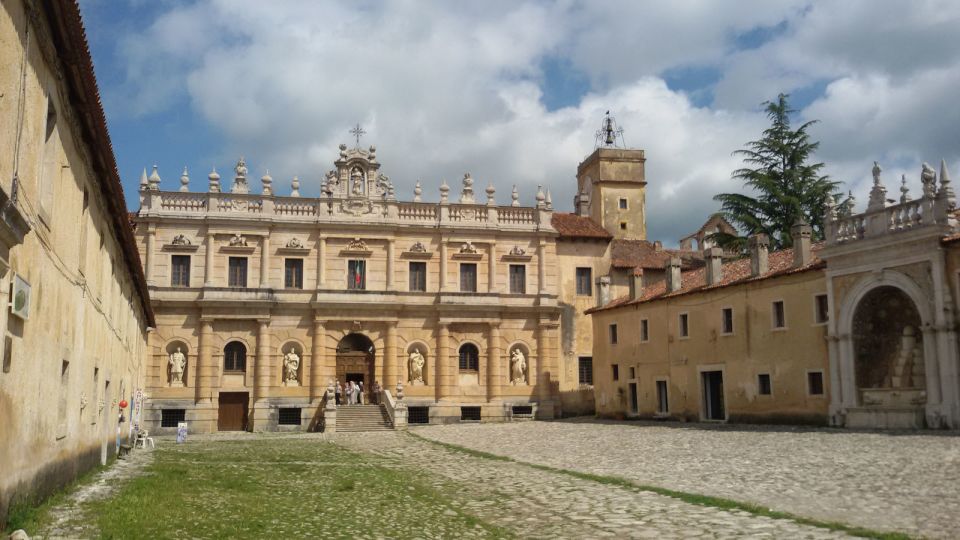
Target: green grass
(692,498)
(289,488)
(31,514)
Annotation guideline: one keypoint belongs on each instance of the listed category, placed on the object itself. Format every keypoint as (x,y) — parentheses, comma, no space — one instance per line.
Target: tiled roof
(644,254)
(574,226)
(734,273)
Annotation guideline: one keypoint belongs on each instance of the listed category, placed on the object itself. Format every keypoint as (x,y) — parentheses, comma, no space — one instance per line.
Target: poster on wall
(20,304)
(181,432)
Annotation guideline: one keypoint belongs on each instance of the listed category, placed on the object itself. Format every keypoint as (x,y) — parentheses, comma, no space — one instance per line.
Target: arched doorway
(888,349)
(355,362)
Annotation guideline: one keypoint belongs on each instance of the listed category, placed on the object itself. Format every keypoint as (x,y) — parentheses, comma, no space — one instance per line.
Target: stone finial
(904,190)
(399,390)
(851,204)
(295,187)
(372,153)
(878,193)
(153,182)
(214,178)
(490,193)
(515,195)
(759,250)
(143,179)
(800,233)
(466,196)
(417,192)
(240,180)
(549,201)
(946,191)
(540,197)
(185,180)
(714,257)
(444,193)
(267,182)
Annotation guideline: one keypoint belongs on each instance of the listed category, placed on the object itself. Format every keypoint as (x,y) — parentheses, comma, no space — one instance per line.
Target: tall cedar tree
(787,188)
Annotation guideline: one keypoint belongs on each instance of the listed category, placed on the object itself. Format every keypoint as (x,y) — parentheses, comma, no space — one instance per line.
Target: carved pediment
(417,251)
(357,248)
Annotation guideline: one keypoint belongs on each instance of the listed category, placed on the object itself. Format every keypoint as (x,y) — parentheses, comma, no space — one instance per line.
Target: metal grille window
(763,384)
(644,330)
(663,404)
(234,357)
(357,274)
(470,414)
(418,276)
(585,369)
(584,282)
(815,383)
(293,273)
(613,334)
(822,309)
(468,277)
(237,272)
(289,416)
(172,417)
(616,371)
(180,271)
(518,279)
(623,203)
(469,357)
(684,325)
(779,317)
(727,321)
(418,415)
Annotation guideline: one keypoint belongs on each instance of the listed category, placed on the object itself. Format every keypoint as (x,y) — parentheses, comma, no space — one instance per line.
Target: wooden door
(233,411)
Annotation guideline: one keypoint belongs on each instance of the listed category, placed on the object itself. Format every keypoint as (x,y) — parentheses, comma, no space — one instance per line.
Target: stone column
(321,260)
(441,361)
(205,368)
(492,268)
(443,265)
(151,244)
(390,267)
(541,268)
(208,263)
(390,371)
(262,368)
(265,261)
(494,361)
(318,360)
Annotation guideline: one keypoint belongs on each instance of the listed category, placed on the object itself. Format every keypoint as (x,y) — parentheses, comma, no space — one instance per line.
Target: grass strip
(691,498)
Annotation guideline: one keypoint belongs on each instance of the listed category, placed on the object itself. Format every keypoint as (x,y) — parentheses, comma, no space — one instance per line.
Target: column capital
(494,324)
(319,320)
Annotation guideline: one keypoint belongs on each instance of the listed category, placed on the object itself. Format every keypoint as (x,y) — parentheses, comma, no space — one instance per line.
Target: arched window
(469,357)
(234,357)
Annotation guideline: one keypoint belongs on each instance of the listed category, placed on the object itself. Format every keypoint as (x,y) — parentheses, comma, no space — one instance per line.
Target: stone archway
(356,357)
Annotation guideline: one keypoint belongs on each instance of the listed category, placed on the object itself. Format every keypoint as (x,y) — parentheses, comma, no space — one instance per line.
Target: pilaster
(208,261)
(492,267)
(441,363)
(151,246)
(318,363)
(390,371)
(265,261)
(494,361)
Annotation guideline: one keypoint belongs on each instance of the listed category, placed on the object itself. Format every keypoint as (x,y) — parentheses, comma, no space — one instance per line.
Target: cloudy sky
(513,92)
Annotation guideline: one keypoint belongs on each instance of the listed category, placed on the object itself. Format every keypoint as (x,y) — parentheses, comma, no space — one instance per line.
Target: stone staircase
(353,418)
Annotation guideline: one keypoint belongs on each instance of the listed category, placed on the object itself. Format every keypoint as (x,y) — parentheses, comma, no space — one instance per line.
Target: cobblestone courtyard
(892,482)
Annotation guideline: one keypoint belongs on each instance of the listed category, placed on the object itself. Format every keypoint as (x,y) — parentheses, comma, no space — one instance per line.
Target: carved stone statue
(295,243)
(178,362)
(416,367)
(180,240)
(468,247)
(238,241)
(418,247)
(291,365)
(518,367)
(928,178)
(356,178)
(518,251)
(240,180)
(357,245)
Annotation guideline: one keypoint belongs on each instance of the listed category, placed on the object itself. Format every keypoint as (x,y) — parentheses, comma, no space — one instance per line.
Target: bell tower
(611,185)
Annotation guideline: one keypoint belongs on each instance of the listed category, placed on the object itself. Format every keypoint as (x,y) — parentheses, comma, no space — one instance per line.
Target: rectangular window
(644,330)
(469,414)
(684,325)
(663,405)
(289,416)
(172,417)
(180,271)
(518,279)
(616,372)
(293,273)
(237,276)
(357,274)
(418,276)
(468,277)
(633,373)
(585,365)
(815,383)
(623,203)
(763,384)
(779,318)
(727,321)
(584,282)
(613,334)
(822,313)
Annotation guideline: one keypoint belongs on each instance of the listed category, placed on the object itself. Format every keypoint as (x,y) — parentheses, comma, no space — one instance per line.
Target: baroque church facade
(263,302)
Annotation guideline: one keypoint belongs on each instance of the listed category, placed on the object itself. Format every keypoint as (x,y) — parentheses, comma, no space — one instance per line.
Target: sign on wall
(20,304)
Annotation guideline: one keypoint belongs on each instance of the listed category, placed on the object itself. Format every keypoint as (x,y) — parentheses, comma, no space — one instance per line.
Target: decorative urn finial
(154,181)
(267,182)
(417,192)
(295,187)
(185,180)
(515,195)
(444,192)
(214,178)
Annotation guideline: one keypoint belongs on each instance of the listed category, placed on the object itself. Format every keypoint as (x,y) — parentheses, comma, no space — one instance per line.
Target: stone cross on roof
(358,132)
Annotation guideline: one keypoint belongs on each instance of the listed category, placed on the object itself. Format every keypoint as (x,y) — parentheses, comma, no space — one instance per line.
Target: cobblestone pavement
(533,503)
(907,482)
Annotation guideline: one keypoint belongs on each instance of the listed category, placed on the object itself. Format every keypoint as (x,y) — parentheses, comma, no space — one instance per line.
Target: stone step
(358,418)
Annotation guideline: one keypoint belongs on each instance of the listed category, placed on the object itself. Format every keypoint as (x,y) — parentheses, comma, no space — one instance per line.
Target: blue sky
(513,91)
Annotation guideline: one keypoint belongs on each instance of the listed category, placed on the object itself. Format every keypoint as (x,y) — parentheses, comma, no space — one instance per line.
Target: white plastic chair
(143,439)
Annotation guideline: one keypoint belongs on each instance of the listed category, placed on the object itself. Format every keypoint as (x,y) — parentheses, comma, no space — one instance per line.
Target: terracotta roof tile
(644,254)
(734,273)
(574,226)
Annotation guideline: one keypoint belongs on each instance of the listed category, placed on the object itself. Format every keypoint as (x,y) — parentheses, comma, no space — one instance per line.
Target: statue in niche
(238,241)
(177,362)
(356,178)
(417,362)
(180,240)
(518,367)
(291,365)
(908,369)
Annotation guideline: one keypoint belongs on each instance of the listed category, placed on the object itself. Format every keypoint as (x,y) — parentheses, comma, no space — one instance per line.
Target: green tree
(785,186)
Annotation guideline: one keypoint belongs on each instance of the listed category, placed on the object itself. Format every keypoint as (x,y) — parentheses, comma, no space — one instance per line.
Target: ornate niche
(358,183)
(519,365)
(417,364)
(291,363)
(176,364)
